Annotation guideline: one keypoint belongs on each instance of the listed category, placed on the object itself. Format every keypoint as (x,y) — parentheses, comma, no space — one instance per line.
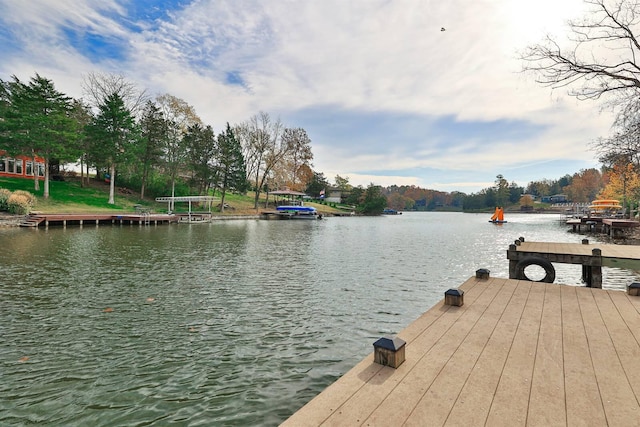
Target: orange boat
(498,216)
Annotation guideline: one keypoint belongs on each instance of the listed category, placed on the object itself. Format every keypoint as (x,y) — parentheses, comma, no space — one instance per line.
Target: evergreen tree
(318,183)
(114,135)
(374,201)
(154,132)
(37,121)
(201,148)
(230,164)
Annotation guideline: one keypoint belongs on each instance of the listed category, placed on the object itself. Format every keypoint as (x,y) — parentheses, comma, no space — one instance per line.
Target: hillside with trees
(160,146)
(155,146)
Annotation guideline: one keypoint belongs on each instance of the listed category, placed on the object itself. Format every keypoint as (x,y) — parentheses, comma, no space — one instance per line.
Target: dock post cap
(517,242)
(389,343)
(389,351)
(521,239)
(454,297)
(634,289)
(596,252)
(482,273)
(585,241)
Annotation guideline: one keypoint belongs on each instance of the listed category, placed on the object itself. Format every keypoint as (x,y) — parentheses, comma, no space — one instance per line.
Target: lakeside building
(21,166)
(556,198)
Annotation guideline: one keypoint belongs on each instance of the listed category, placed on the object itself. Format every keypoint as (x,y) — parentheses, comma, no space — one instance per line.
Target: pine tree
(201,144)
(37,121)
(154,130)
(114,135)
(231,167)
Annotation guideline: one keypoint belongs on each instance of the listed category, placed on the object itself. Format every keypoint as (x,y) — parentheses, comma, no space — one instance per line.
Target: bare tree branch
(97,87)
(602,57)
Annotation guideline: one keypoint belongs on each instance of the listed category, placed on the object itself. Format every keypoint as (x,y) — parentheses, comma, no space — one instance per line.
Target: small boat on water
(498,216)
(389,211)
(299,212)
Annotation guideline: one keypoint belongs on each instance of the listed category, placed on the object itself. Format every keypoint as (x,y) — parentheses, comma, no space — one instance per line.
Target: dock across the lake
(140,218)
(613,227)
(516,353)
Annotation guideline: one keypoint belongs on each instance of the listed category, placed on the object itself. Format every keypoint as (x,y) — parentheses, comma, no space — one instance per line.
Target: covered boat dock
(190,216)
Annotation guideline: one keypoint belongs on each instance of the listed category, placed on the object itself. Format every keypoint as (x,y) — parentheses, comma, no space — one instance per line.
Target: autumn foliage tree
(623,183)
(526,201)
(585,186)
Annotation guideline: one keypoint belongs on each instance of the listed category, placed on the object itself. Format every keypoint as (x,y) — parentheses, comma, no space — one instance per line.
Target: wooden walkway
(612,255)
(613,227)
(592,256)
(36,220)
(517,353)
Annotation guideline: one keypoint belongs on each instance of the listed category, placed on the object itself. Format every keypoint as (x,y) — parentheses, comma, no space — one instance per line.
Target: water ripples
(234,323)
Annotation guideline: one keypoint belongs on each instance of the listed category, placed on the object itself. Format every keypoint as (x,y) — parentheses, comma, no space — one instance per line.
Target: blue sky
(385,95)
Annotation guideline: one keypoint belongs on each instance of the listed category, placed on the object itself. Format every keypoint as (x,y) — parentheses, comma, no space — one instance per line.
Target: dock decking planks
(608,250)
(584,405)
(516,353)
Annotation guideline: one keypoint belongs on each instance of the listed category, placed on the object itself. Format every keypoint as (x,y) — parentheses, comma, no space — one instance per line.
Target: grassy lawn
(70,197)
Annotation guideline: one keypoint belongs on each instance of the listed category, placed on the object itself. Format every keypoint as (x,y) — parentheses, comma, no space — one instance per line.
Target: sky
(391,92)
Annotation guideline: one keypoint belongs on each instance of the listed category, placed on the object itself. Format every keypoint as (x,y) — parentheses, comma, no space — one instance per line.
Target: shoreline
(10,220)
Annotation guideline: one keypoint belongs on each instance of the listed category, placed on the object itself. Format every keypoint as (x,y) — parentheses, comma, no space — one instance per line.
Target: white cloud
(358,56)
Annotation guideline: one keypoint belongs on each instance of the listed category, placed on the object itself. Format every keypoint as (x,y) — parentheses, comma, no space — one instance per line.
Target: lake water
(228,323)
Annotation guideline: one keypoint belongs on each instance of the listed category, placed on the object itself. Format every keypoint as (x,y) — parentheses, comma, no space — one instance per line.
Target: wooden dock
(517,353)
(614,227)
(617,227)
(592,257)
(41,219)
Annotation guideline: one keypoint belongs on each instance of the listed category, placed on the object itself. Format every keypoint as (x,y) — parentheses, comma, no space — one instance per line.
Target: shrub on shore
(4,199)
(31,199)
(19,202)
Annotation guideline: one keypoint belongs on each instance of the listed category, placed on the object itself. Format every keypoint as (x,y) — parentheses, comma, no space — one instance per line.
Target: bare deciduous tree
(180,116)
(299,156)
(263,148)
(97,87)
(600,58)
(599,62)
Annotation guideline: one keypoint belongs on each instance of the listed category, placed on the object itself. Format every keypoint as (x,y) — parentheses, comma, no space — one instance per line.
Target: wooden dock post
(389,351)
(454,297)
(512,256)
(482,273)
(634,289)
(595,269)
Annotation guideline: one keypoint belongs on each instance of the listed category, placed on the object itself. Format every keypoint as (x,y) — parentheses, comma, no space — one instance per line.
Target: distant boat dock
(46,220)
(515,353)
(613,227)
